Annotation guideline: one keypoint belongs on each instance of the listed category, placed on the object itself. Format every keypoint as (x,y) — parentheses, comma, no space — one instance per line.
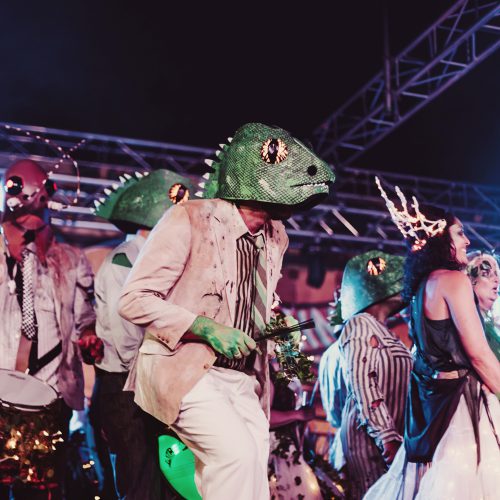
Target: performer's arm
(91,347)
(156,270)
(459,295)
(108,284)
(360,348)
(331,384)
(83,306)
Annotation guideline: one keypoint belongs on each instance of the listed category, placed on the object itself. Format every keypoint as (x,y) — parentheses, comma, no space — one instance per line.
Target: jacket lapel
(223,230)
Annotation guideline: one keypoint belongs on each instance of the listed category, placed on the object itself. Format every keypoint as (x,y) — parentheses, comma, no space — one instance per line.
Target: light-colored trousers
(222,422)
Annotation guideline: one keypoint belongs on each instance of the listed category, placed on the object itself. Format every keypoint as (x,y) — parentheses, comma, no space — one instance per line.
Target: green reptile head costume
(370,278)
(267,165)
(140,202)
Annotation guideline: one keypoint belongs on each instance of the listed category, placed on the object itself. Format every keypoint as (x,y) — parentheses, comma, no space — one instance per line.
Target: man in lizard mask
(203,287)
(134,206)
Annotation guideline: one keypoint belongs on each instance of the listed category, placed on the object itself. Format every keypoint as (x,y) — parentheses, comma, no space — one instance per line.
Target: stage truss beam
(460,39)
(351,220)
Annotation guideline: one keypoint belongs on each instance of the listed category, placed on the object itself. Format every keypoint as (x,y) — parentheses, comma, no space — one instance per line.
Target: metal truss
(102,159)
(353,219)
(465,35)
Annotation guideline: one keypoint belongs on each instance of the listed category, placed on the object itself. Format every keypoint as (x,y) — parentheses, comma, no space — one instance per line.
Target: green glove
(230,342)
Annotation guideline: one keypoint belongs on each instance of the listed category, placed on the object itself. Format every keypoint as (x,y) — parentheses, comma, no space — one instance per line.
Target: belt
(99,372)
(453,374)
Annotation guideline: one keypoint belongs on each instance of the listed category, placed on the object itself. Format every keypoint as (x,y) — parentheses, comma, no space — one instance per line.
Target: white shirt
(48,329)
(121,338)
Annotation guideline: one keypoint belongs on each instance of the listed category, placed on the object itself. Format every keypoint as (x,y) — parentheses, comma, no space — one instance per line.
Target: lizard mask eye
(376,266)
(274,151)
(178,193)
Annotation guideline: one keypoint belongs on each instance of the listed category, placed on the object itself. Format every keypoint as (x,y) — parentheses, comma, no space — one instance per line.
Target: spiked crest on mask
(140,201)
(267,165)
(416,226)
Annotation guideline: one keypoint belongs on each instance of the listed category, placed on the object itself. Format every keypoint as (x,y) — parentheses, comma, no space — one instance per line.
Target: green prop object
(177,465)
(268,165)
(492,334)
(370,278)
(139,202)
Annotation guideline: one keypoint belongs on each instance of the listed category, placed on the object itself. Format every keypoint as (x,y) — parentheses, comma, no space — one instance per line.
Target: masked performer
(452,419)
(484,274)
(376,367)
(203,288)
(45,294)
(135,207)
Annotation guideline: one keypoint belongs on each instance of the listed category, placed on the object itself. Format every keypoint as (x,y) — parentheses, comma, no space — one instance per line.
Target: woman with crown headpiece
(452,416)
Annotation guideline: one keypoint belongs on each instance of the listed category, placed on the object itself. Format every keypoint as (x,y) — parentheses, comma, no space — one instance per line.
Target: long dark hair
(437,253)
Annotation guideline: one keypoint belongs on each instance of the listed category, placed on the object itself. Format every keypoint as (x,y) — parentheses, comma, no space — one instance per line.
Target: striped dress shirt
(377,369)
(247,257)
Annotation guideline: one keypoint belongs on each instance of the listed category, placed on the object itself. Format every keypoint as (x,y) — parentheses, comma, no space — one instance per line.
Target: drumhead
(25,391)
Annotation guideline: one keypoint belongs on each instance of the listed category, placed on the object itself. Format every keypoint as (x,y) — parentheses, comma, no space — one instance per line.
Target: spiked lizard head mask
(141,201)
(370,278)
(267,165)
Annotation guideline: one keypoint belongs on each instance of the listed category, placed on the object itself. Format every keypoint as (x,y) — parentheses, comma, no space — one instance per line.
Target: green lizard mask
(140,202)
(267,165)
(370,278)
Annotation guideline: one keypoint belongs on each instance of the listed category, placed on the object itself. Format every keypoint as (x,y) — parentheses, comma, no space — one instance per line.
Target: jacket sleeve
(362,374)
(155,272)
(83,307)
(126,336)
(331,384)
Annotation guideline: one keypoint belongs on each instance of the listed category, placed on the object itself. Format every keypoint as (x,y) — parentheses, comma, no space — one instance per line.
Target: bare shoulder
(450,279)
(453,286)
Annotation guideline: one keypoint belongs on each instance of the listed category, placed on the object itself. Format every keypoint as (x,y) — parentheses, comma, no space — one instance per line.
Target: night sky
(192,75)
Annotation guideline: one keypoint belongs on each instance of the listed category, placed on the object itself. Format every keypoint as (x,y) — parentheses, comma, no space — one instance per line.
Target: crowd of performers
(177,331)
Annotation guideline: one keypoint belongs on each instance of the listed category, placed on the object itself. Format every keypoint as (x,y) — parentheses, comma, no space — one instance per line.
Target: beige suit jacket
(187,268)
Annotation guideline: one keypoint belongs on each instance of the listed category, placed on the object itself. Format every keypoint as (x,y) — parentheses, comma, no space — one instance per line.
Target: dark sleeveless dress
(432,401)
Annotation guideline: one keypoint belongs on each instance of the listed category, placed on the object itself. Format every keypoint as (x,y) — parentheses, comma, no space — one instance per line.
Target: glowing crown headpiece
(415,225)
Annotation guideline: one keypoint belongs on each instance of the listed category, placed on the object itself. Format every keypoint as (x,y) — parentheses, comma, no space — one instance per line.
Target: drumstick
(279,332)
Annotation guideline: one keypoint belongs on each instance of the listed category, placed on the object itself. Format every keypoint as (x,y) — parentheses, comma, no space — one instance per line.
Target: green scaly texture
(301,179)
(140,202)
(360,289)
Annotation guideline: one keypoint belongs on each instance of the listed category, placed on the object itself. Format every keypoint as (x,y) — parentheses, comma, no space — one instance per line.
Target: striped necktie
(28,322)
(260,281)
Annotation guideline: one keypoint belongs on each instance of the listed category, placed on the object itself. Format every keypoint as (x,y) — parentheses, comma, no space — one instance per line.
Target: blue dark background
(192,73)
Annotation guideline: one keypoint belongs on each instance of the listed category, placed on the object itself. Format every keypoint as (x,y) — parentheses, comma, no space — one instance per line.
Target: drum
(29,428)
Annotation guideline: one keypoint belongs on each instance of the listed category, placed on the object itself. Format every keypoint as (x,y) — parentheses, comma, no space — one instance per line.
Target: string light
(64,156)
(408,224)
(26,444)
